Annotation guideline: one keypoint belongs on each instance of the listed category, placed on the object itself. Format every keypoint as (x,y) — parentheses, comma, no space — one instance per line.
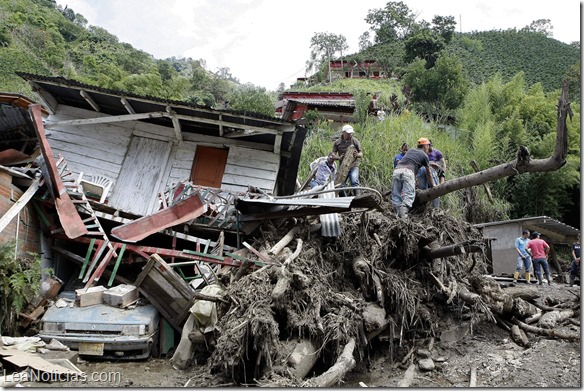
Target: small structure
(368,69)
(502,235)
(337,107)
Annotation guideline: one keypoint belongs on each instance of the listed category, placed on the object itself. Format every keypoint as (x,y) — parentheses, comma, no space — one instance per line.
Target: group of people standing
(423,167)
(531,249)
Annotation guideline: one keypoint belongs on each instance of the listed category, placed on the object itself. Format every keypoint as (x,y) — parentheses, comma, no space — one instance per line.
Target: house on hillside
(368,69)
(502,235)
(338,107)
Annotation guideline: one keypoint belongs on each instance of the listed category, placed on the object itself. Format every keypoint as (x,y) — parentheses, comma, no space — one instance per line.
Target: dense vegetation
(37,36)
(478,96)
(510,52)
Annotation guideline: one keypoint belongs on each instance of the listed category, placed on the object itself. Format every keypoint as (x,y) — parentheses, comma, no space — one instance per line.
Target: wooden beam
(229,124)
(221,126)
(175,124)
(20,204)
(89,100)
(105,120)
(159,114)
(70,219)
(278,143)
(127,105)
(213,141)
(46,98)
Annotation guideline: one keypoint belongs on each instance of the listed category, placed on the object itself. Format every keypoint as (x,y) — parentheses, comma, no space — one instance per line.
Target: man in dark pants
(403,189)
(539,250)
(575,269)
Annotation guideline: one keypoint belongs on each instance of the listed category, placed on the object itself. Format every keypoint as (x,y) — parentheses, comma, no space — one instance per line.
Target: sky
(267,42)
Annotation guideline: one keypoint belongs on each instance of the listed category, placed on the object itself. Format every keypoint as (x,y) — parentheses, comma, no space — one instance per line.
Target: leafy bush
(20,279)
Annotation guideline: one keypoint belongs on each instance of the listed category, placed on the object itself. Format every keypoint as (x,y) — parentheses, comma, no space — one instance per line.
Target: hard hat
(348,129)
(423,141)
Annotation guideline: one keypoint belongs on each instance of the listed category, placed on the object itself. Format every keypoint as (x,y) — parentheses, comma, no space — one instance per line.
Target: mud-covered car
(103,331)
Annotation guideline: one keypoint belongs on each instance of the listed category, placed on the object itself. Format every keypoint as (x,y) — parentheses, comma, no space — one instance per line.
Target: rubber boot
(572,278)
(515,277)
(549,279)
(404,212)
(528,277)
(398,211)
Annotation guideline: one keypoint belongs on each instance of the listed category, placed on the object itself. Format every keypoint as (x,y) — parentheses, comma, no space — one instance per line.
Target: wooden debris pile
(329,298)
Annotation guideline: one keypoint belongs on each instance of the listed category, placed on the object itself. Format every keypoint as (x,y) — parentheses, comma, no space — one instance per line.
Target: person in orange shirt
(539,250)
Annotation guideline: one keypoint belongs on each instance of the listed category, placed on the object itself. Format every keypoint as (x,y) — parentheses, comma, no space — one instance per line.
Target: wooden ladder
(94,228)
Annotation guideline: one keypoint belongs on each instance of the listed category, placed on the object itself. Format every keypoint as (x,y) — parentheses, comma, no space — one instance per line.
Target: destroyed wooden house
(114,178)
(137,157)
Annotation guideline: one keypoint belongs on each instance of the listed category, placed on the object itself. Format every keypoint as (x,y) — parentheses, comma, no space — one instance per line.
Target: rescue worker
(523,257)
(403,189)
(539,250)
(325,168)
(340,147)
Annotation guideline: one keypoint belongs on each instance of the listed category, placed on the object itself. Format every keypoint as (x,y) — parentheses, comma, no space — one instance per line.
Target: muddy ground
(499,362)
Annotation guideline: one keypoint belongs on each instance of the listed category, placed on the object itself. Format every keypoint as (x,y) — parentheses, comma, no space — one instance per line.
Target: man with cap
(539,251)
(523,257)
(339,150)
(403,188)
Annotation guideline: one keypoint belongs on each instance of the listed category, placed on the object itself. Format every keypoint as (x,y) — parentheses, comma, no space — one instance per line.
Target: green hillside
(39,36)
(509,52)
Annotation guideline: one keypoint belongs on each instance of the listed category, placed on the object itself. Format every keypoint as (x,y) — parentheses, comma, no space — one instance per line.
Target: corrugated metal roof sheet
(322,102)
(545,225)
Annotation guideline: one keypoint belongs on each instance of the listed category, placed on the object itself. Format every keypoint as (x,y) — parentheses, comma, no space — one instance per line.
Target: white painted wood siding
(245,166)
(140,177)
(93,149)
(100,150)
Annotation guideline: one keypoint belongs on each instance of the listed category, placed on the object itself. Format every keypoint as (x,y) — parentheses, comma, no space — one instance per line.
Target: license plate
(91,348)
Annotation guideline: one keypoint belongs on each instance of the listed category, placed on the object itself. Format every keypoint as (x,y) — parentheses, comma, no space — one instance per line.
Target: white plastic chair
(96,184)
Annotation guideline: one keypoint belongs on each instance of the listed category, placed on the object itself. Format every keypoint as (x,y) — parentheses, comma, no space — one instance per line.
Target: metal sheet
(181,212)
(331,226)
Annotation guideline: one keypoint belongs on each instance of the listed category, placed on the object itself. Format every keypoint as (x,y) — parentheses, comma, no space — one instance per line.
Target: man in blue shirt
(402,151)
(325,168)
(523,259)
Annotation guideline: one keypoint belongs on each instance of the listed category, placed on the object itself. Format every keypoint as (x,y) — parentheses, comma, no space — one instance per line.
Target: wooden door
(209,166)
(138,184)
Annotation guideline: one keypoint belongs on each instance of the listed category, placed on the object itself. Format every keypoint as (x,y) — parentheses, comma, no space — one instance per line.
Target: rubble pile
(372,280)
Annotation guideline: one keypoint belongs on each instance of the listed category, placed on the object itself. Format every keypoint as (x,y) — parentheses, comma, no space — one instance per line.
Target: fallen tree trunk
(454,249)
(549,320)
(345,363)
(546,332)
(519,336)
(555,162)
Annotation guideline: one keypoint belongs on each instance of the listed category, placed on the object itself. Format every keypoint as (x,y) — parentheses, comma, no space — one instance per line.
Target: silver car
(104,331)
